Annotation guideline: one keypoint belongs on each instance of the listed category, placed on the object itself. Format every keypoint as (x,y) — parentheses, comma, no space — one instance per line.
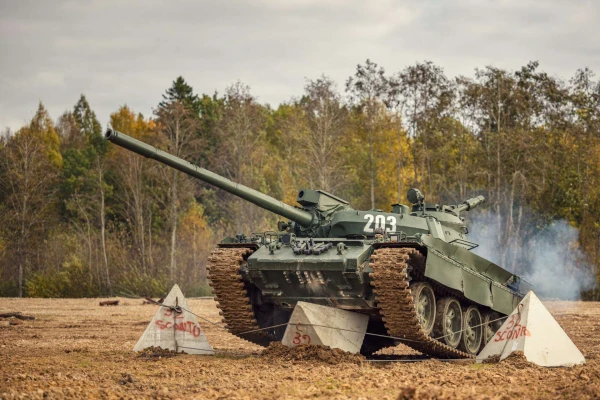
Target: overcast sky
(129,52)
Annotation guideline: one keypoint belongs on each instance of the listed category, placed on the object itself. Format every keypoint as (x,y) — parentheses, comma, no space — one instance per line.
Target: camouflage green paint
(339,274)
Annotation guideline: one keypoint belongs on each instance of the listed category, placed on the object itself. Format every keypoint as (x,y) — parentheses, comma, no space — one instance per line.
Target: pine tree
(182,92)
(83,188)
(89,126)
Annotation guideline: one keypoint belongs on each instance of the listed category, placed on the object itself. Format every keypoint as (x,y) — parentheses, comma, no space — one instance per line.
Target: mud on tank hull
(392,282)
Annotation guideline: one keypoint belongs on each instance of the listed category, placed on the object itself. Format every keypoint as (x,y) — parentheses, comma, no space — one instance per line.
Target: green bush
(8,288)
(72,279)
(199,290)
(136,283)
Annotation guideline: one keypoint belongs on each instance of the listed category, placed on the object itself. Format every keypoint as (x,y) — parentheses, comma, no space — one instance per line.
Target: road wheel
(448,321)
(491,324)
(424,300)
(472,331)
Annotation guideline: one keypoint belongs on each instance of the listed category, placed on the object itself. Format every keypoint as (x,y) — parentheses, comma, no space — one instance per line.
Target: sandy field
(77,349)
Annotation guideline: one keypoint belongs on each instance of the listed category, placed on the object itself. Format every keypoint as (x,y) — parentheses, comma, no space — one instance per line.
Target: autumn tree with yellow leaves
(31,162)
(83,219)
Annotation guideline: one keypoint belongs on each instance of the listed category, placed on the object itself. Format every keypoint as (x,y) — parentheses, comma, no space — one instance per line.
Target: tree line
(85,218)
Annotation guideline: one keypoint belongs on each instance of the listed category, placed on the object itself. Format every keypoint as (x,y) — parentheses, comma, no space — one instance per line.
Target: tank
(411,270)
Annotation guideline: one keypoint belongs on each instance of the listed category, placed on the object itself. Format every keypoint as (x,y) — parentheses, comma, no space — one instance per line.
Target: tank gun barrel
(301,217)
(470,204)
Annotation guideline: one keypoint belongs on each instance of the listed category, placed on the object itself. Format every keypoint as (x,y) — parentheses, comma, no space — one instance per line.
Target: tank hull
(342,280)
(275,279)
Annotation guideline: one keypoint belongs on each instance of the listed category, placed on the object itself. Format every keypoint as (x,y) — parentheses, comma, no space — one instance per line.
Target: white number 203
(379,222)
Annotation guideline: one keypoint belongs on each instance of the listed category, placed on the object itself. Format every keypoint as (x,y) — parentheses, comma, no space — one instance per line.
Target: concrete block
(327,326)
(534,331)
(171,330)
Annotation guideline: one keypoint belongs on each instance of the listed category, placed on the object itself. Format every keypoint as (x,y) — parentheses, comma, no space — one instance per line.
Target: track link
(390,283)
(231,295)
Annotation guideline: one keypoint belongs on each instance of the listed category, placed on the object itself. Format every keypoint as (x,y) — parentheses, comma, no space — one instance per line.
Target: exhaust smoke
(550,258)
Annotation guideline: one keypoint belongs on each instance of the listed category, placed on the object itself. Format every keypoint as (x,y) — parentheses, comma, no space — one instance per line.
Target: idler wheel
(491,324)
(424,300)
(472,331)
(448,321)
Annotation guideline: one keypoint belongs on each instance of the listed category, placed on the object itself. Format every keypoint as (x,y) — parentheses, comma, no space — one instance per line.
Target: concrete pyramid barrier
(532,330)
(327,326)
(175,330)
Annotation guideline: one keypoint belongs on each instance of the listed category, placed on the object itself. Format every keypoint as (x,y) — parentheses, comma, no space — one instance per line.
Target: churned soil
(77,349)
(308,352)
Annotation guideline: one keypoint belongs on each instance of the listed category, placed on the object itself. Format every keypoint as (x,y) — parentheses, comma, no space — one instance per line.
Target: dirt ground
(76,349)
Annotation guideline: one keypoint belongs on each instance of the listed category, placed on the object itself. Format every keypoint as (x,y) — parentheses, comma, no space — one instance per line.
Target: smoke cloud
(549,258)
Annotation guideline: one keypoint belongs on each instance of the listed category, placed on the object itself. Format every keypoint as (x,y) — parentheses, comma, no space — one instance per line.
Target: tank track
(390,281)
(231,295)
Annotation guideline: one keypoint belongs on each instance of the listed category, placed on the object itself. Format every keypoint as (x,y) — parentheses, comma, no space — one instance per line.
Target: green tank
(411,270)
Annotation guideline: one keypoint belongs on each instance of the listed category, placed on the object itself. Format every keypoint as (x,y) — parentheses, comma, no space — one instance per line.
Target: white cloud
(49,79)
(120,52)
